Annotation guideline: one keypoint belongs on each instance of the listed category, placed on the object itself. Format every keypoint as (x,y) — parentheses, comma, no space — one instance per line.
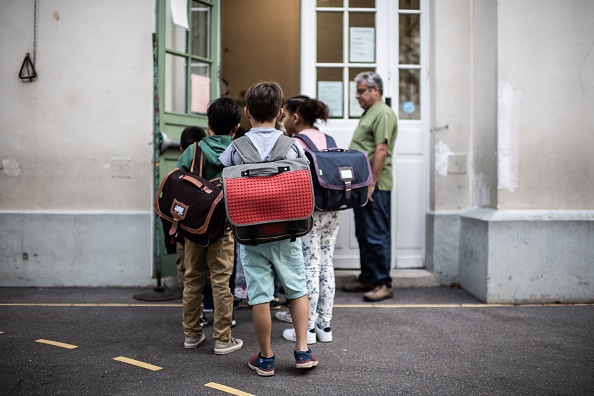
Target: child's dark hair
(263,100)
(191,135)
(308,109)
(223,115)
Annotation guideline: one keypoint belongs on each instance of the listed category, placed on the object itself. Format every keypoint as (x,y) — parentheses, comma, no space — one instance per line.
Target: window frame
(172,123)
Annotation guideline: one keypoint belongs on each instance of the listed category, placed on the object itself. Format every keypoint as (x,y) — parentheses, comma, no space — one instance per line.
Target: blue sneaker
(305,359)
(263,366)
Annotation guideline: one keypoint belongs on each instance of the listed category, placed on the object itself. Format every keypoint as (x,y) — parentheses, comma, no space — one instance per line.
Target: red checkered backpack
(268,201)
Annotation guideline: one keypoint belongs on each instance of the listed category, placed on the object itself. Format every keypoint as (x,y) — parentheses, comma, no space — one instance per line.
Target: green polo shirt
(377,125)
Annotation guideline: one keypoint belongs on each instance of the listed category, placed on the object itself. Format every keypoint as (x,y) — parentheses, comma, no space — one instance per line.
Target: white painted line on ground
(227,389)
(56,343)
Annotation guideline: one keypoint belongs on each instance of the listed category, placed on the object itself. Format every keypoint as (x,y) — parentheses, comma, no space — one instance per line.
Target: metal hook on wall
(27,69)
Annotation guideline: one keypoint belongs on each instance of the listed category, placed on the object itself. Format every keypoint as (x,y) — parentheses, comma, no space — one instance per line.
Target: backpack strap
(246,150)
(281,148)
(249,154)
(196,167)
(330,142)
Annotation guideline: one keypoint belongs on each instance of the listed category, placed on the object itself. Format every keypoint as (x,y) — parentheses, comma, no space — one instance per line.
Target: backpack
(190,205)
(340,177)
(268,201)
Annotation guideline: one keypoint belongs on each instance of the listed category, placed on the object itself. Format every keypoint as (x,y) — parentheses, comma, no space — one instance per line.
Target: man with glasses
(376,136)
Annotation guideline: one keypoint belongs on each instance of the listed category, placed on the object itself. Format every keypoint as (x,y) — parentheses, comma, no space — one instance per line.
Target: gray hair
(372,79)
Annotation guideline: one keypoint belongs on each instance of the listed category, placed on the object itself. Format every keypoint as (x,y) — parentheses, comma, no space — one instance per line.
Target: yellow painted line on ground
(227,389)
(137,363)
(364,305)
(85,305)
(56,343)
(401,306)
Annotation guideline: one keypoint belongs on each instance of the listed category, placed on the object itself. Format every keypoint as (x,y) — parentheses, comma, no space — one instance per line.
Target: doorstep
(401,278)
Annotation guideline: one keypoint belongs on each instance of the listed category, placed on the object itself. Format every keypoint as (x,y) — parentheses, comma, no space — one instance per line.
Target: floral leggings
(318,249)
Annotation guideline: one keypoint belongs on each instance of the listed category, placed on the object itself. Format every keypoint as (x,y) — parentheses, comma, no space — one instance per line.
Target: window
(188,74)
(346,37)
(409,60)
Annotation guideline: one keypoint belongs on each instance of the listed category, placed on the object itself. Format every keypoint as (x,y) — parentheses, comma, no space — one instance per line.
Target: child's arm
(227,156)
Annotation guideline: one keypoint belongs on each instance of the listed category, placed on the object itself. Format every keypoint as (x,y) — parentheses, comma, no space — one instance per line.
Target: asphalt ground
(424,341)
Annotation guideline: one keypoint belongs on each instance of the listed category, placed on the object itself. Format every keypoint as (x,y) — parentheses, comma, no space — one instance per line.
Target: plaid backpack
(340,177)
(190,205)
(268,201)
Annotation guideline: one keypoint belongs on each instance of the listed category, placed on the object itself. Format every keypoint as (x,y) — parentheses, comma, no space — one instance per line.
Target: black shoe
(275,304)
(203,321)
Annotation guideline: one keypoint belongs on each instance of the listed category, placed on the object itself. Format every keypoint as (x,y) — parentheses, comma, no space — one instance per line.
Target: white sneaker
(191,342)
(324,335)
(289,335)
(240,292)
(223,348)
(284,316)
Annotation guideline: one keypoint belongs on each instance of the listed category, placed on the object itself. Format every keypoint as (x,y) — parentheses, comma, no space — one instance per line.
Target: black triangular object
(27,69)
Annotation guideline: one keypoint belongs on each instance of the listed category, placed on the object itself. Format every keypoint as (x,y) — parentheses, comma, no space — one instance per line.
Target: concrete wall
(546,101)
(451,69)
(528,99)
(53,249)
(483,161)
(527,256)
(76,147)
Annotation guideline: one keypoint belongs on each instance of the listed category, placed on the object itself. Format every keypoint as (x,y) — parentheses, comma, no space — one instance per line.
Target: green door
(186,80)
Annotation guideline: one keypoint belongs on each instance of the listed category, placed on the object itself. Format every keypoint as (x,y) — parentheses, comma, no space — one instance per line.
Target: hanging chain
(35,31)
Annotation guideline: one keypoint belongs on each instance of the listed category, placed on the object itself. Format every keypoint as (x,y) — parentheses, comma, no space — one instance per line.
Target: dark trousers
(373,231)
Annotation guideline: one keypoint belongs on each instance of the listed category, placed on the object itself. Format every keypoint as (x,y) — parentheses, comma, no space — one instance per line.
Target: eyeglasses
(361,91)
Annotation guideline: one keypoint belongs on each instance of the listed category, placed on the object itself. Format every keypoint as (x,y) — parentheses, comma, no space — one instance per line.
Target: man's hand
(370,190)
(379,157)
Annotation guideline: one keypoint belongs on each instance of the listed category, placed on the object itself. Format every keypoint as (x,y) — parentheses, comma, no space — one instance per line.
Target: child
(263,108)
(216,259)
(189,136)
(301,113)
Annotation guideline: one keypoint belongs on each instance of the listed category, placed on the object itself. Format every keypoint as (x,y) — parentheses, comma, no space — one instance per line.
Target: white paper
(330,92)
(355,110)
(362,44)
(200,93)
(179,13)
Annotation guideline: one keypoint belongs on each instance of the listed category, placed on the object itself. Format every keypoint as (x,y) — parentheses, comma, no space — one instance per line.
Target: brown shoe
(357,286)
(380,293)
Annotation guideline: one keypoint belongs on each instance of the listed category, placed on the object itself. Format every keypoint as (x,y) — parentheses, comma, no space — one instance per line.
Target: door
(187,66)
(339,39)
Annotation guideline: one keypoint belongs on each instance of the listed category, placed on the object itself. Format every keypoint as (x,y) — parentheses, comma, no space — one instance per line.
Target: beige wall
(514,81)
(81,133)
(260,41)
(546,104)
(450,101)
(76,144)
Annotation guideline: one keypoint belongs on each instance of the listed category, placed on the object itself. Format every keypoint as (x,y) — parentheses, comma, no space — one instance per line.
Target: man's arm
(379,158)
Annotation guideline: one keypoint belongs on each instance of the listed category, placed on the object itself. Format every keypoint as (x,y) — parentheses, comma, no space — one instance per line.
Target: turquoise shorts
(285,257)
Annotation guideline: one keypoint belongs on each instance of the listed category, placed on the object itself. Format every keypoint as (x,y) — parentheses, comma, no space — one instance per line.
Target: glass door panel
(200,30)
(330,40)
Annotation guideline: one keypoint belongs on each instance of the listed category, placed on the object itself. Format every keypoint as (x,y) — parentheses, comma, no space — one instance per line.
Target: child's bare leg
(263,327)
(300,314)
